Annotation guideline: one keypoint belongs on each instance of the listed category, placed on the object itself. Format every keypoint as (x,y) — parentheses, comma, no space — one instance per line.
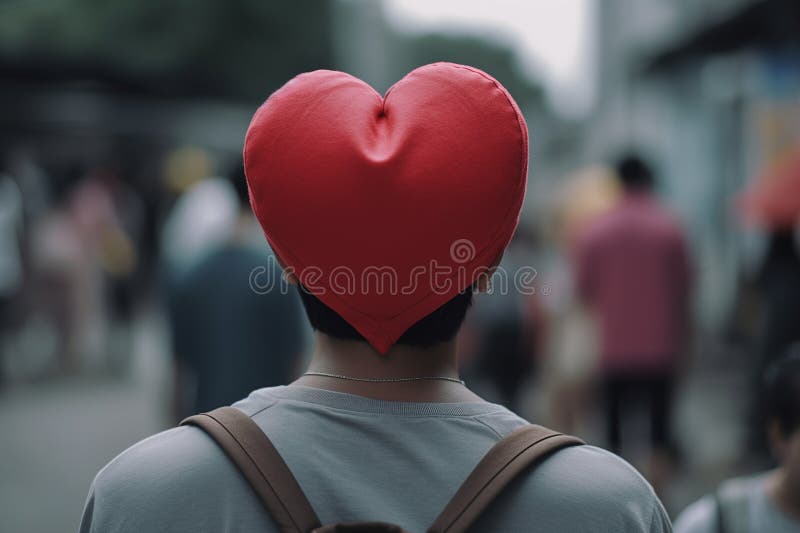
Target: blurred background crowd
(127,248)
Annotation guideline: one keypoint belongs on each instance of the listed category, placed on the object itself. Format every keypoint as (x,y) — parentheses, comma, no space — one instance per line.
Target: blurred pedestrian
(11,217)
(771,201)
(508,329)
(778,284)
(68,278)
(768,501)
(229,338)
(202,218)
(634,272)
(584,196)
(121,254)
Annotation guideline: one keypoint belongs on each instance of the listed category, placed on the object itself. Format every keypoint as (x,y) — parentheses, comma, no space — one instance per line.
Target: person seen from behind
(387,213)
(635,274)
(768,501)
(221,321)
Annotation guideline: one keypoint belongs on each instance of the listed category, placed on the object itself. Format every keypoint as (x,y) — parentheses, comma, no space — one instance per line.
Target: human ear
(483,283)
(288,272)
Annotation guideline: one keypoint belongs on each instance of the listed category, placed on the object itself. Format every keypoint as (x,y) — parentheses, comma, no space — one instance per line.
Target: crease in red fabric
(387,207)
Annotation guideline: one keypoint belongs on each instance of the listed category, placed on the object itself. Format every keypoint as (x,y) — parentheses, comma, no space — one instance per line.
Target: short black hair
(634,172)
(782,391)
(439,326)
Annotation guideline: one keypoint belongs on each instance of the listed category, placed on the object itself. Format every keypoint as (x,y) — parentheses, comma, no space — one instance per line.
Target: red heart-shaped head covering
(386,208)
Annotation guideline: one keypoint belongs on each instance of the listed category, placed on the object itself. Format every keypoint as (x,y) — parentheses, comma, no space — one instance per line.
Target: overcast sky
(553,38)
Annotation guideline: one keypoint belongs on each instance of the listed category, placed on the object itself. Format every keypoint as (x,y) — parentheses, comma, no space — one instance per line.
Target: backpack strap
(732,504)
(258,460)
(720,512)
(507,458)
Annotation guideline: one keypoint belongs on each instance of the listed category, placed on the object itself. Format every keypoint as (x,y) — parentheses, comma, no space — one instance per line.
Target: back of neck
(357,359)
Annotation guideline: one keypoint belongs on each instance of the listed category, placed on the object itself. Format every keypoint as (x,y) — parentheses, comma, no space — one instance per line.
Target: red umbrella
(773,200)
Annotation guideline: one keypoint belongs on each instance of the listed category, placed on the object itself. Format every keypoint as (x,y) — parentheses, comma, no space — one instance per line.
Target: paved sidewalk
(54,439)
(56,434)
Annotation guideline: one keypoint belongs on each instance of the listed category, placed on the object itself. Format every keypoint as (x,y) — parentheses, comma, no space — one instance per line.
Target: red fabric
(343,180)
(635,273)
(773,200)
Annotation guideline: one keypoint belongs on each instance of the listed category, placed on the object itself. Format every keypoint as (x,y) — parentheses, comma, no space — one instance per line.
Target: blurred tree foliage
(232,48)
(494,58)
(241,49)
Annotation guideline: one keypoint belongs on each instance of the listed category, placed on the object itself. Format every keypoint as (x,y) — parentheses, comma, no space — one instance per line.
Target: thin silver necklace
(385,380)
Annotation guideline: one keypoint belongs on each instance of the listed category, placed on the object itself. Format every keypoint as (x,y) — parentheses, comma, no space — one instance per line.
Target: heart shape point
(387,207)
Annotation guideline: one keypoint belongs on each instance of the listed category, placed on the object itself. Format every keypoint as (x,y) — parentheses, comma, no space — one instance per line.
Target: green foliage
(233,48)
(494,58)
(241,49)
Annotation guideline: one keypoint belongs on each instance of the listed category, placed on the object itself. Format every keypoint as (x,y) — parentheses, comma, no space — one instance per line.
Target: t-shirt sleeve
(659,522)
(105,508)
(699,517)
(583,488)
(177,480)
(87,523)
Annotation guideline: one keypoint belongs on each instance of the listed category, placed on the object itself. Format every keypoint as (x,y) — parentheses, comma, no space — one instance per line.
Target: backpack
(732,504)
(258,460)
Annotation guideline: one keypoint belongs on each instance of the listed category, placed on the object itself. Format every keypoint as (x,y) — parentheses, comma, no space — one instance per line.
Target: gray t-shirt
(361,459)
(746,509)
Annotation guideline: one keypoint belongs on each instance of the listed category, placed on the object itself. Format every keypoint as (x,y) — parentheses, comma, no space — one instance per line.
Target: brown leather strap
(259,461)
(499,466)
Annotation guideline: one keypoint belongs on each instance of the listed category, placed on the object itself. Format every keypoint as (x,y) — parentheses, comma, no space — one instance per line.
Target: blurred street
(66,429)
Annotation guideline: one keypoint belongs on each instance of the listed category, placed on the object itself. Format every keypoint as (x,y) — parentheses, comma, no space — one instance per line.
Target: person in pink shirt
(634,272)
